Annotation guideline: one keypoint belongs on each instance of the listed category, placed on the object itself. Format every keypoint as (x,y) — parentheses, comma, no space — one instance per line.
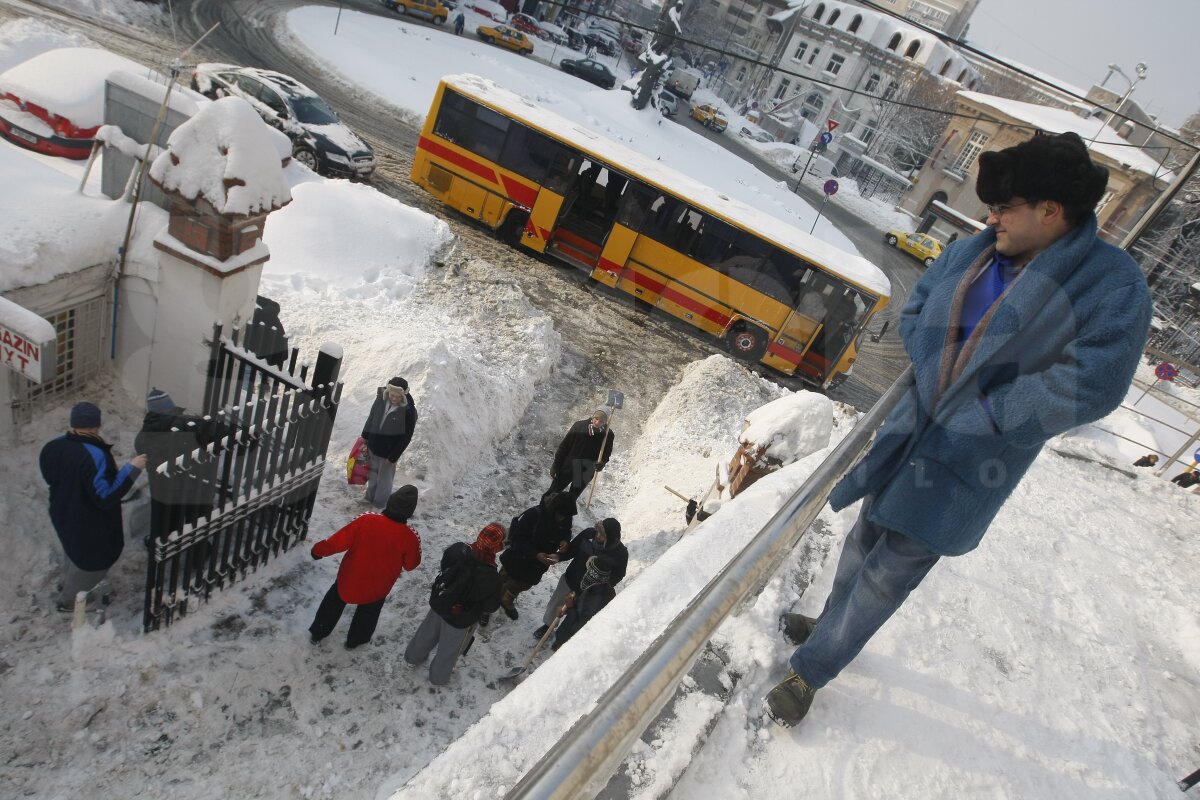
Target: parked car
(527,24)
(668,104)
(320,140)
(821,167)
(922,245)
(708,116)
(489,9)
(505,36)
(554,33)
(752,131)
(590,70)
(430,9)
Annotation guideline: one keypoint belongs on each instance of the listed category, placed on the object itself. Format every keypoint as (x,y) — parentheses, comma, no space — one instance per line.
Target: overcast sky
(1075,39)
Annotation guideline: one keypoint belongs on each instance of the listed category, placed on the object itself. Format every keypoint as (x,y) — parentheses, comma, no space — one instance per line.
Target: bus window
(712,245)
(780,276)
(635,205)
(471,125)
(533,155)
(663,212)
(744,259)
(683,228)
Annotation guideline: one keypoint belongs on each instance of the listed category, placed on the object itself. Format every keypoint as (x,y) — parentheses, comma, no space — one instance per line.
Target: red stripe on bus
(525,195)
(469,164)
(676,297)
(786,353)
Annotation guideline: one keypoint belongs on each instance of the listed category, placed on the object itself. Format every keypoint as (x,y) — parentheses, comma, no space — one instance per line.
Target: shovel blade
(512,676)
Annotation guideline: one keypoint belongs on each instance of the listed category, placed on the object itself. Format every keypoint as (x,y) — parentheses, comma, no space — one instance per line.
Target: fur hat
(402,503)
(398,384)
(85,415)
(1046,167)
(601,415)
(159,402)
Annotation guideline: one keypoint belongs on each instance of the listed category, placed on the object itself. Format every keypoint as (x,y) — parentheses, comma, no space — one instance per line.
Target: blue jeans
(877,570)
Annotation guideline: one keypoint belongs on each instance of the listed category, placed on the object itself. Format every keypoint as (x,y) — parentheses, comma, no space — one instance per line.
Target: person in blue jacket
(85,501)
(1017,334)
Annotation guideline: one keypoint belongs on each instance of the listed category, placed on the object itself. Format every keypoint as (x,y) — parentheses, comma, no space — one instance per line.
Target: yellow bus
(773,293)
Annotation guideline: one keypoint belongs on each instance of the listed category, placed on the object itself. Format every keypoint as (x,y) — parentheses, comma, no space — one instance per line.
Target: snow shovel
(521,670)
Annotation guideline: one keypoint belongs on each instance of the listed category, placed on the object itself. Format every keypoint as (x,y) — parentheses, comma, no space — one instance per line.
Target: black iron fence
(221,510)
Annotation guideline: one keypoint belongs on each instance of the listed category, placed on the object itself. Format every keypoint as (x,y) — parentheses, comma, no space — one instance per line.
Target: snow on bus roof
(852,267)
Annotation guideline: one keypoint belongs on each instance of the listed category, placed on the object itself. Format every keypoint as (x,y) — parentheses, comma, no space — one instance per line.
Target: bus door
(587,212)
(633,200)
(548,205)
(805,325)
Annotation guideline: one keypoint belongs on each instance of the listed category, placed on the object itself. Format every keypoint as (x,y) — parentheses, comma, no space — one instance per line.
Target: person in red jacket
(378,548)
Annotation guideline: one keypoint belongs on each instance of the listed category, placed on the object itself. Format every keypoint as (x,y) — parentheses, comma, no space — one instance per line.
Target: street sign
(826,137)
(832,123)
(1196,456)
(830,188)
(1165,372)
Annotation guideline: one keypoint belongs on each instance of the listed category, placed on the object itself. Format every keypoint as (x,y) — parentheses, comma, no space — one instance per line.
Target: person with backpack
(595,592)
(602,539)
(536,539)
(466,589)
(378,548)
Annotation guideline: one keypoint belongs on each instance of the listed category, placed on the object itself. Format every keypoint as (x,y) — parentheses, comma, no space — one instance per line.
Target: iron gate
(248,495)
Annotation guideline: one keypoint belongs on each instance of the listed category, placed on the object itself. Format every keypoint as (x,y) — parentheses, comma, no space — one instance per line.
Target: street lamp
(1140,69)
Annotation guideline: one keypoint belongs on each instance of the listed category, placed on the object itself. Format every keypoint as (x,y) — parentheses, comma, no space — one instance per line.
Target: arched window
(854,23)
(912,50)
(945,68)
(872,83)
(834,17)
(891,90)
(961,75)
(894,43)
(812,106)
(820,10)
(972,84)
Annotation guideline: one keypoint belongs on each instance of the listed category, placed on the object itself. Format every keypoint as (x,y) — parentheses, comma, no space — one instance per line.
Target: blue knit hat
(85,415)
(160,402)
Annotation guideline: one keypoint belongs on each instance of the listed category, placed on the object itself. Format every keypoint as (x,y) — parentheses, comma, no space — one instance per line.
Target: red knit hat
(489,542)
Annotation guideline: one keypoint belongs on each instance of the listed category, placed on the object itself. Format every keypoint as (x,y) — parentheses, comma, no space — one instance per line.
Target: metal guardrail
(583,760)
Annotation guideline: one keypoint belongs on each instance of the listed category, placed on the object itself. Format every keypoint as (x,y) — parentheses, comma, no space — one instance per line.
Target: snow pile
(790,428)
(67,81)
(230,157)
(22,39)
(24,322)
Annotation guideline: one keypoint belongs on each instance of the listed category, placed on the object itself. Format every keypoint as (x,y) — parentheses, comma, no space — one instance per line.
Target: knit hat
(398,384)
(601,415)
(1046,167)
(401,504)
(159,402)
(489,542)
(85,415)
(612,531)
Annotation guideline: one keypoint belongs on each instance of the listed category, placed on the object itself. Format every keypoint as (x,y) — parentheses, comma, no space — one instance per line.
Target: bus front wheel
(748,342)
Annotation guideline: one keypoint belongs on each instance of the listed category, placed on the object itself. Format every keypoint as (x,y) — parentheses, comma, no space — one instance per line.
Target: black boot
(540,632)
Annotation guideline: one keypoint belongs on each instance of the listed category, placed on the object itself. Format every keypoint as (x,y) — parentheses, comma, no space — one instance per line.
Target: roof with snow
(64,81)
(1058,120)
(230,157)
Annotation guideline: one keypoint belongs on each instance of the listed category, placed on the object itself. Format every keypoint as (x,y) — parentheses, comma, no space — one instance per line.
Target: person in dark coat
(1148,460)
(602,539)
(1186,479)
(378,548)
(460,22)
(595,592)
(536,539)
(1028,329)
(86,489)
(466,589)
(269,340)
(583,451)
(179,494)
(387,432)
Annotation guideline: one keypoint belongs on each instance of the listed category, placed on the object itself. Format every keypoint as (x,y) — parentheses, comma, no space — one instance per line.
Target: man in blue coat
(85,500)
(1024,331)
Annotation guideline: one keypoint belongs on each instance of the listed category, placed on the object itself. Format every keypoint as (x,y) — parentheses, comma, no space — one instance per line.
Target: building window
(945,68)
(819,12)
(961,75)
(868,131)
(854,23)
(894,43)
(912,50)
(816,52)
(741,76)
(835,64)
(891,90)
(782,90)
(970,151)
(801,49)
(812,106)
(872,83)
(834,17)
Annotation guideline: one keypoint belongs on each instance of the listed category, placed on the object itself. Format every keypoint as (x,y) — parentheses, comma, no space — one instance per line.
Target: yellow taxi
(432,9)
(708,116)
(922,245)
(505,36)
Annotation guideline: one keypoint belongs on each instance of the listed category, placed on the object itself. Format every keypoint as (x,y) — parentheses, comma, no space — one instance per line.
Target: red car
(526,23)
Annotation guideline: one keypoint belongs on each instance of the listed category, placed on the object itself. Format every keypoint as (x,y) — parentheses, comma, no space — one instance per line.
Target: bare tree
(910,120)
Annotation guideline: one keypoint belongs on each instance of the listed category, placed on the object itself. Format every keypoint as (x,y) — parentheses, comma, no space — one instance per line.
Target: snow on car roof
(853,267)
(68,81)
(284,82)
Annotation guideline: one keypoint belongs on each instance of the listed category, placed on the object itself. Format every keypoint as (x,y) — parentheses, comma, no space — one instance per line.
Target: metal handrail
(582,761)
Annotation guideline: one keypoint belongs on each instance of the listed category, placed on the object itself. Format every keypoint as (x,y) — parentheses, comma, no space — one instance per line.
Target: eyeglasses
(1000,209)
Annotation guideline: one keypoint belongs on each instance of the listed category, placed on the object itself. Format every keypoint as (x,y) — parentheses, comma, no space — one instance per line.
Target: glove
(313,553)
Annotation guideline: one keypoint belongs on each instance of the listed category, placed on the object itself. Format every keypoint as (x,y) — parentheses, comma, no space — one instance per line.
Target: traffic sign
(830,188)
(832,123)
(826,137)
(1165,371)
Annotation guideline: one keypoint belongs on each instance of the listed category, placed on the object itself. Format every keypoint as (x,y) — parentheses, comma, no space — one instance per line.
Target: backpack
(452,587)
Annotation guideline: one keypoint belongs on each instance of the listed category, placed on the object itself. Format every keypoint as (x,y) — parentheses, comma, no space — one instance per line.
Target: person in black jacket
(85,501)
(180,493)
(1148,460)
(387,432)
(583,452)
(1187,479)
(536,539)
(603,539)
(465,590)
(595,593)
(269,340)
